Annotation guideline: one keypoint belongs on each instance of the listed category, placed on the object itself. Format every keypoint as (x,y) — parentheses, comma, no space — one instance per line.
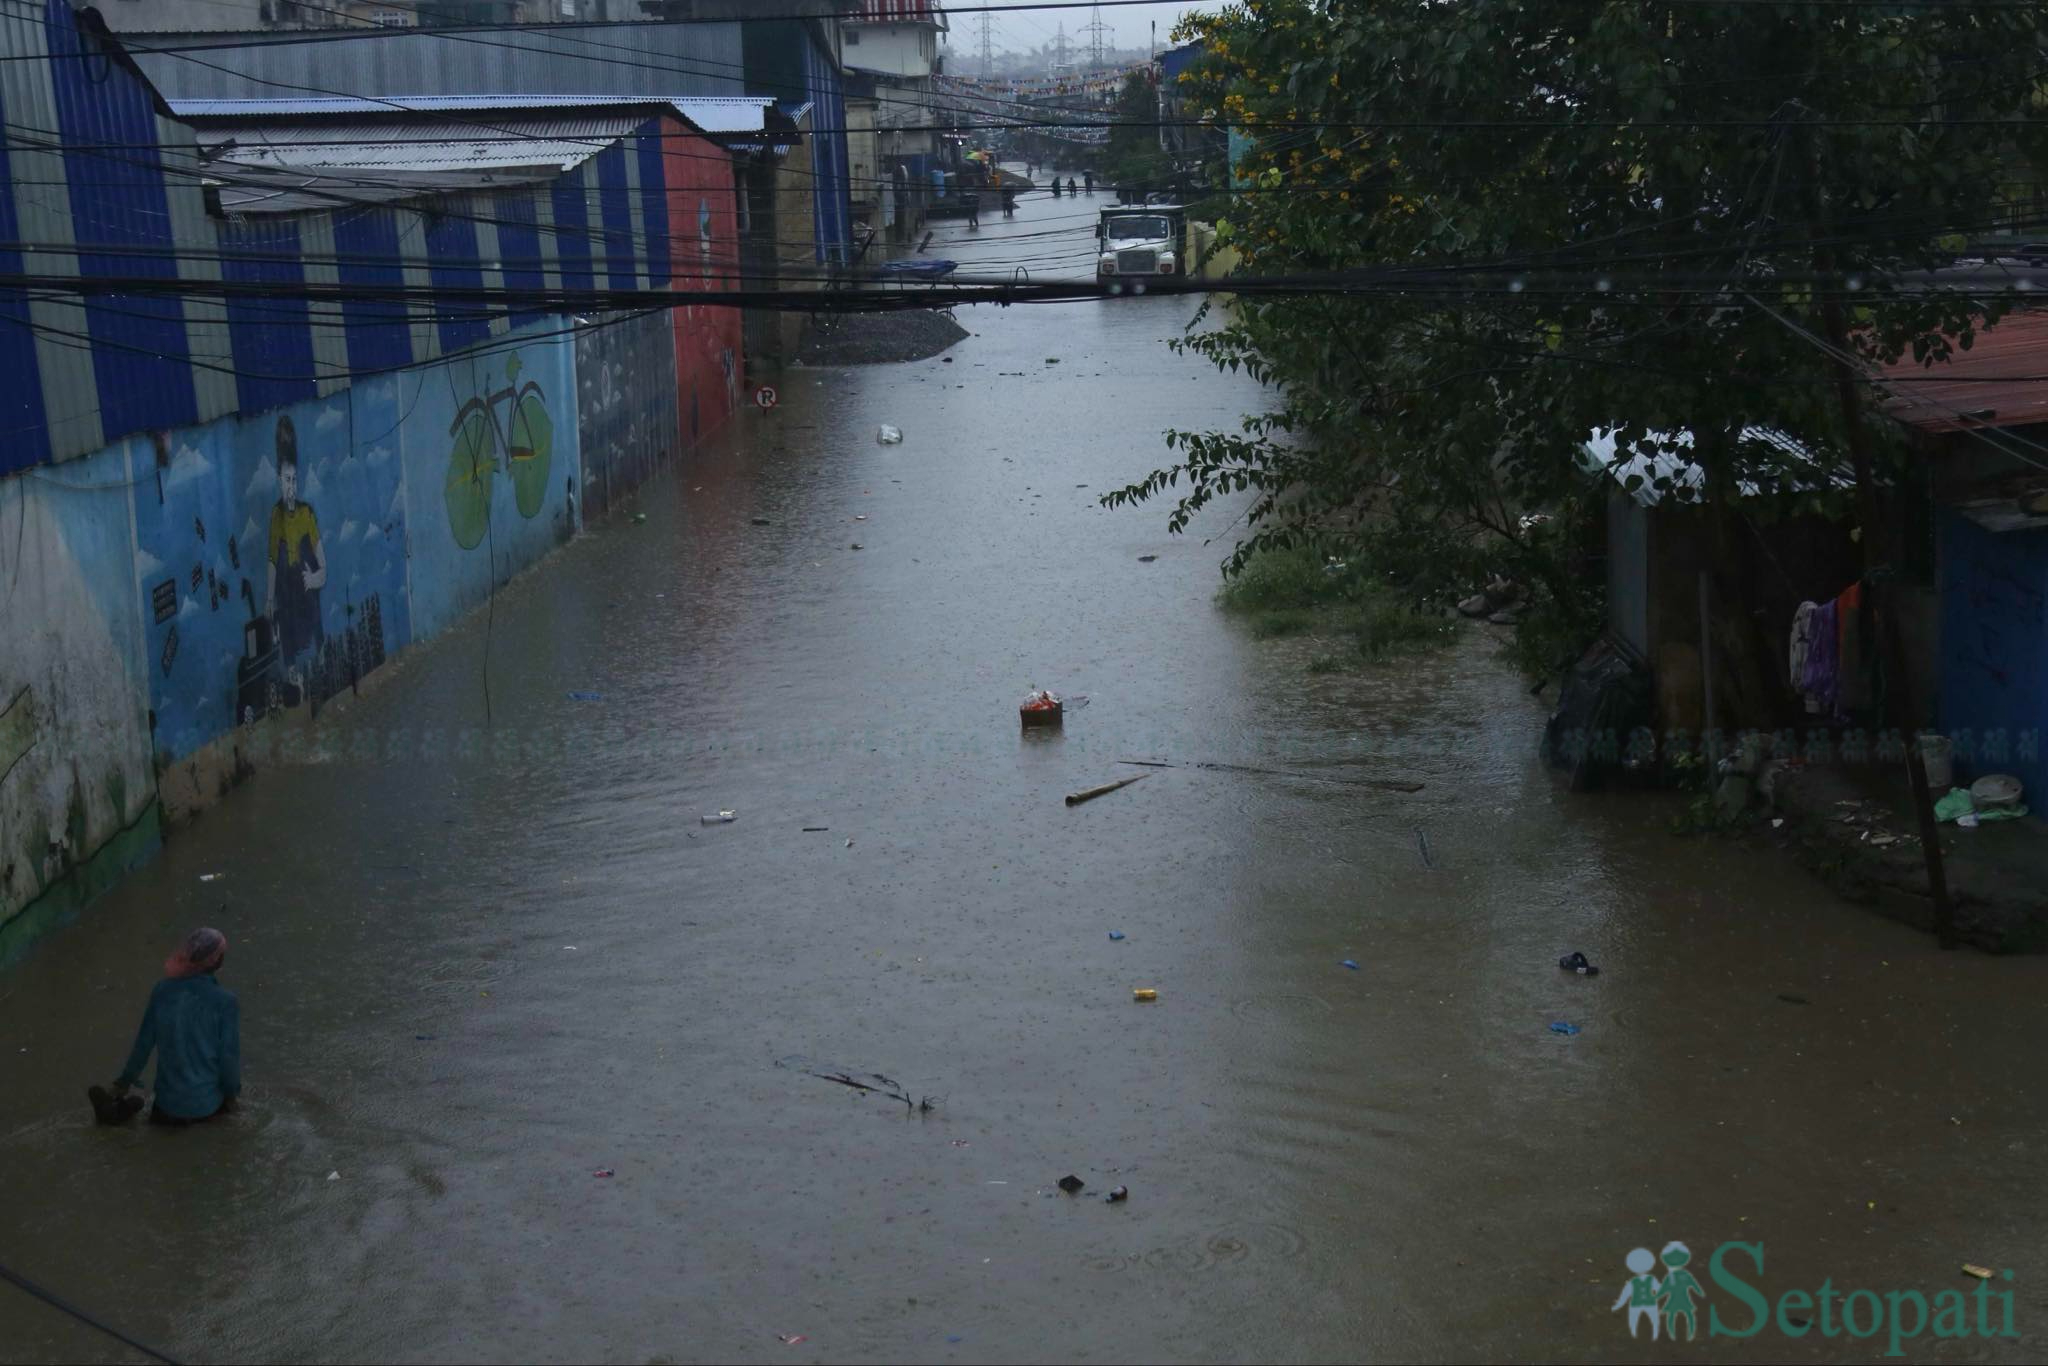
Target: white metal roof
(707,114)
(553,143)
(273,165)
(1659,456)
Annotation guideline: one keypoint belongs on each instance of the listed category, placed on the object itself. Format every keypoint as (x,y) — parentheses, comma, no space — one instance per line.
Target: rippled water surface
(470,982)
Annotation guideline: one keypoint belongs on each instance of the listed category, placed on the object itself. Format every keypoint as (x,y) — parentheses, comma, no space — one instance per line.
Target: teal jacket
(195,1026)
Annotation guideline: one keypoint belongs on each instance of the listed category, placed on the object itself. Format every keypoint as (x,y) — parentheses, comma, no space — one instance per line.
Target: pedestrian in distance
(1009,200)
(1070,185)
(974,212)
(1088,181)
(194,1026)
(1055,187)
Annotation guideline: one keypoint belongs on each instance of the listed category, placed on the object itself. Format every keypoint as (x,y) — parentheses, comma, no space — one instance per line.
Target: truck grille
(1137,262)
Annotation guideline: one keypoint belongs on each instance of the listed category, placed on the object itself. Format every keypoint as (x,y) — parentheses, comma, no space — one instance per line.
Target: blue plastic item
(1350,963)
(1116,934)
(1563,1027)
(586,697)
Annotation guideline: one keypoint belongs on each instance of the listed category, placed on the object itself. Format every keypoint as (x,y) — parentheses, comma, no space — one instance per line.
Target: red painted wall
(704,254)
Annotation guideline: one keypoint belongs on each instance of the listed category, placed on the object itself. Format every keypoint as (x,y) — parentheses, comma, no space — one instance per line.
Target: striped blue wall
(136,208)
(832,198)
(366,240)
(121,224)
(272,338)
(24,426)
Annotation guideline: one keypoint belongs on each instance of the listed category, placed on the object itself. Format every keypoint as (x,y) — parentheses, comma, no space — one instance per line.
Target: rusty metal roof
(2001,381)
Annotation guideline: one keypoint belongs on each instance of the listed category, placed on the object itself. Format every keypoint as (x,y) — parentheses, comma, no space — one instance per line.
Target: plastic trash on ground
(1041,708)
(1576,962)
(889,436)
(1563,1027)
(722,818)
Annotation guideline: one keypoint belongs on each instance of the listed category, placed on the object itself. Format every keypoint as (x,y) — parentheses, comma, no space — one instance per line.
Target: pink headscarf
(201,953)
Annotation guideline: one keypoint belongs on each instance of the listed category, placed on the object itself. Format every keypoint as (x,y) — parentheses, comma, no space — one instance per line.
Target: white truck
(1138,243)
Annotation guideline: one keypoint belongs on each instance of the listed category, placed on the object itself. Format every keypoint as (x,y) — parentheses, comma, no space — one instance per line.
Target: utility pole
(1095,30)
(988,61)
(1879,618)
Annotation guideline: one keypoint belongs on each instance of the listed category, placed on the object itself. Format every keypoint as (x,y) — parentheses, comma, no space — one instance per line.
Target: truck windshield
(1146,227)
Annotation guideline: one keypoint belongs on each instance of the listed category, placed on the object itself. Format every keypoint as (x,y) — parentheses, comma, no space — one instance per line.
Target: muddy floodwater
(474,973)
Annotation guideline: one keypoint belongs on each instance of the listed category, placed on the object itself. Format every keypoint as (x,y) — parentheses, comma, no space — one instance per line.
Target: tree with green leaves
(1133,156)
(1528,223)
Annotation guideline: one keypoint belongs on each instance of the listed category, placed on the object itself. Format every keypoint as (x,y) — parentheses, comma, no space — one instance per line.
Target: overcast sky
(1021,30)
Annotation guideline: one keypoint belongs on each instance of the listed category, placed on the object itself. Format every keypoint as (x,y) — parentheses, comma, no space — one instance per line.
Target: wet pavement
(472,979)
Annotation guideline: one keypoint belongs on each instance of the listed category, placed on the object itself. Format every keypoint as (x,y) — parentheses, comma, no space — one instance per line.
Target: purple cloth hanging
(1822,679)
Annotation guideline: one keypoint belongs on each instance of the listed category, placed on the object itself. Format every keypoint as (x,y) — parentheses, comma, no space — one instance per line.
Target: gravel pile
(878,338)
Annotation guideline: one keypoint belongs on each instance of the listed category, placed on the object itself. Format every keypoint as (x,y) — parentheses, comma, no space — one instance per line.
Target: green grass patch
(1386,627)
(1295,592)
(1284,579)
(1270,623)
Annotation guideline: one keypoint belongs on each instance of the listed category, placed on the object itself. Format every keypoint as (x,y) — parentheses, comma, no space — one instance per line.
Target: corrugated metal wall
(833,201)
(96,181)
(668,60)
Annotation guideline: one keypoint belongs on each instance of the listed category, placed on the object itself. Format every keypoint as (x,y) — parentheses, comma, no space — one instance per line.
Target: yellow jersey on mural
(293,549)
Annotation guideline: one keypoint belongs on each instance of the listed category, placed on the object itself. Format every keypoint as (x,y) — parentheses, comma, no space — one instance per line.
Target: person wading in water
(194,1026)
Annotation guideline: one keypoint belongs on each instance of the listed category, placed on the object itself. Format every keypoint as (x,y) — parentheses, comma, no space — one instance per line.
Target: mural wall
(491,470)
(625,406)
(269,560)
(76,791)
(190,548)
(282,558)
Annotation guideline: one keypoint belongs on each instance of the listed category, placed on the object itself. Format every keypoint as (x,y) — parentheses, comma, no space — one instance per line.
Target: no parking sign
(764,397)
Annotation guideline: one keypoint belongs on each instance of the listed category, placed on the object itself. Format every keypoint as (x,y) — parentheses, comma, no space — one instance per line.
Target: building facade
(274,422)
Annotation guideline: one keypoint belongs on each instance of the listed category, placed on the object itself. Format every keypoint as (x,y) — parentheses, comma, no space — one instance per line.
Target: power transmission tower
(988,61)
(1059,60)
(1096,31)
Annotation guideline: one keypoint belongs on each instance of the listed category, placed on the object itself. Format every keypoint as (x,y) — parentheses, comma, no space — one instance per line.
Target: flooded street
(474,974)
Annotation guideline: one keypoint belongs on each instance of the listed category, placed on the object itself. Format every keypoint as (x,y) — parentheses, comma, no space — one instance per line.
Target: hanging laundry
(1821,680)
(1802,647)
